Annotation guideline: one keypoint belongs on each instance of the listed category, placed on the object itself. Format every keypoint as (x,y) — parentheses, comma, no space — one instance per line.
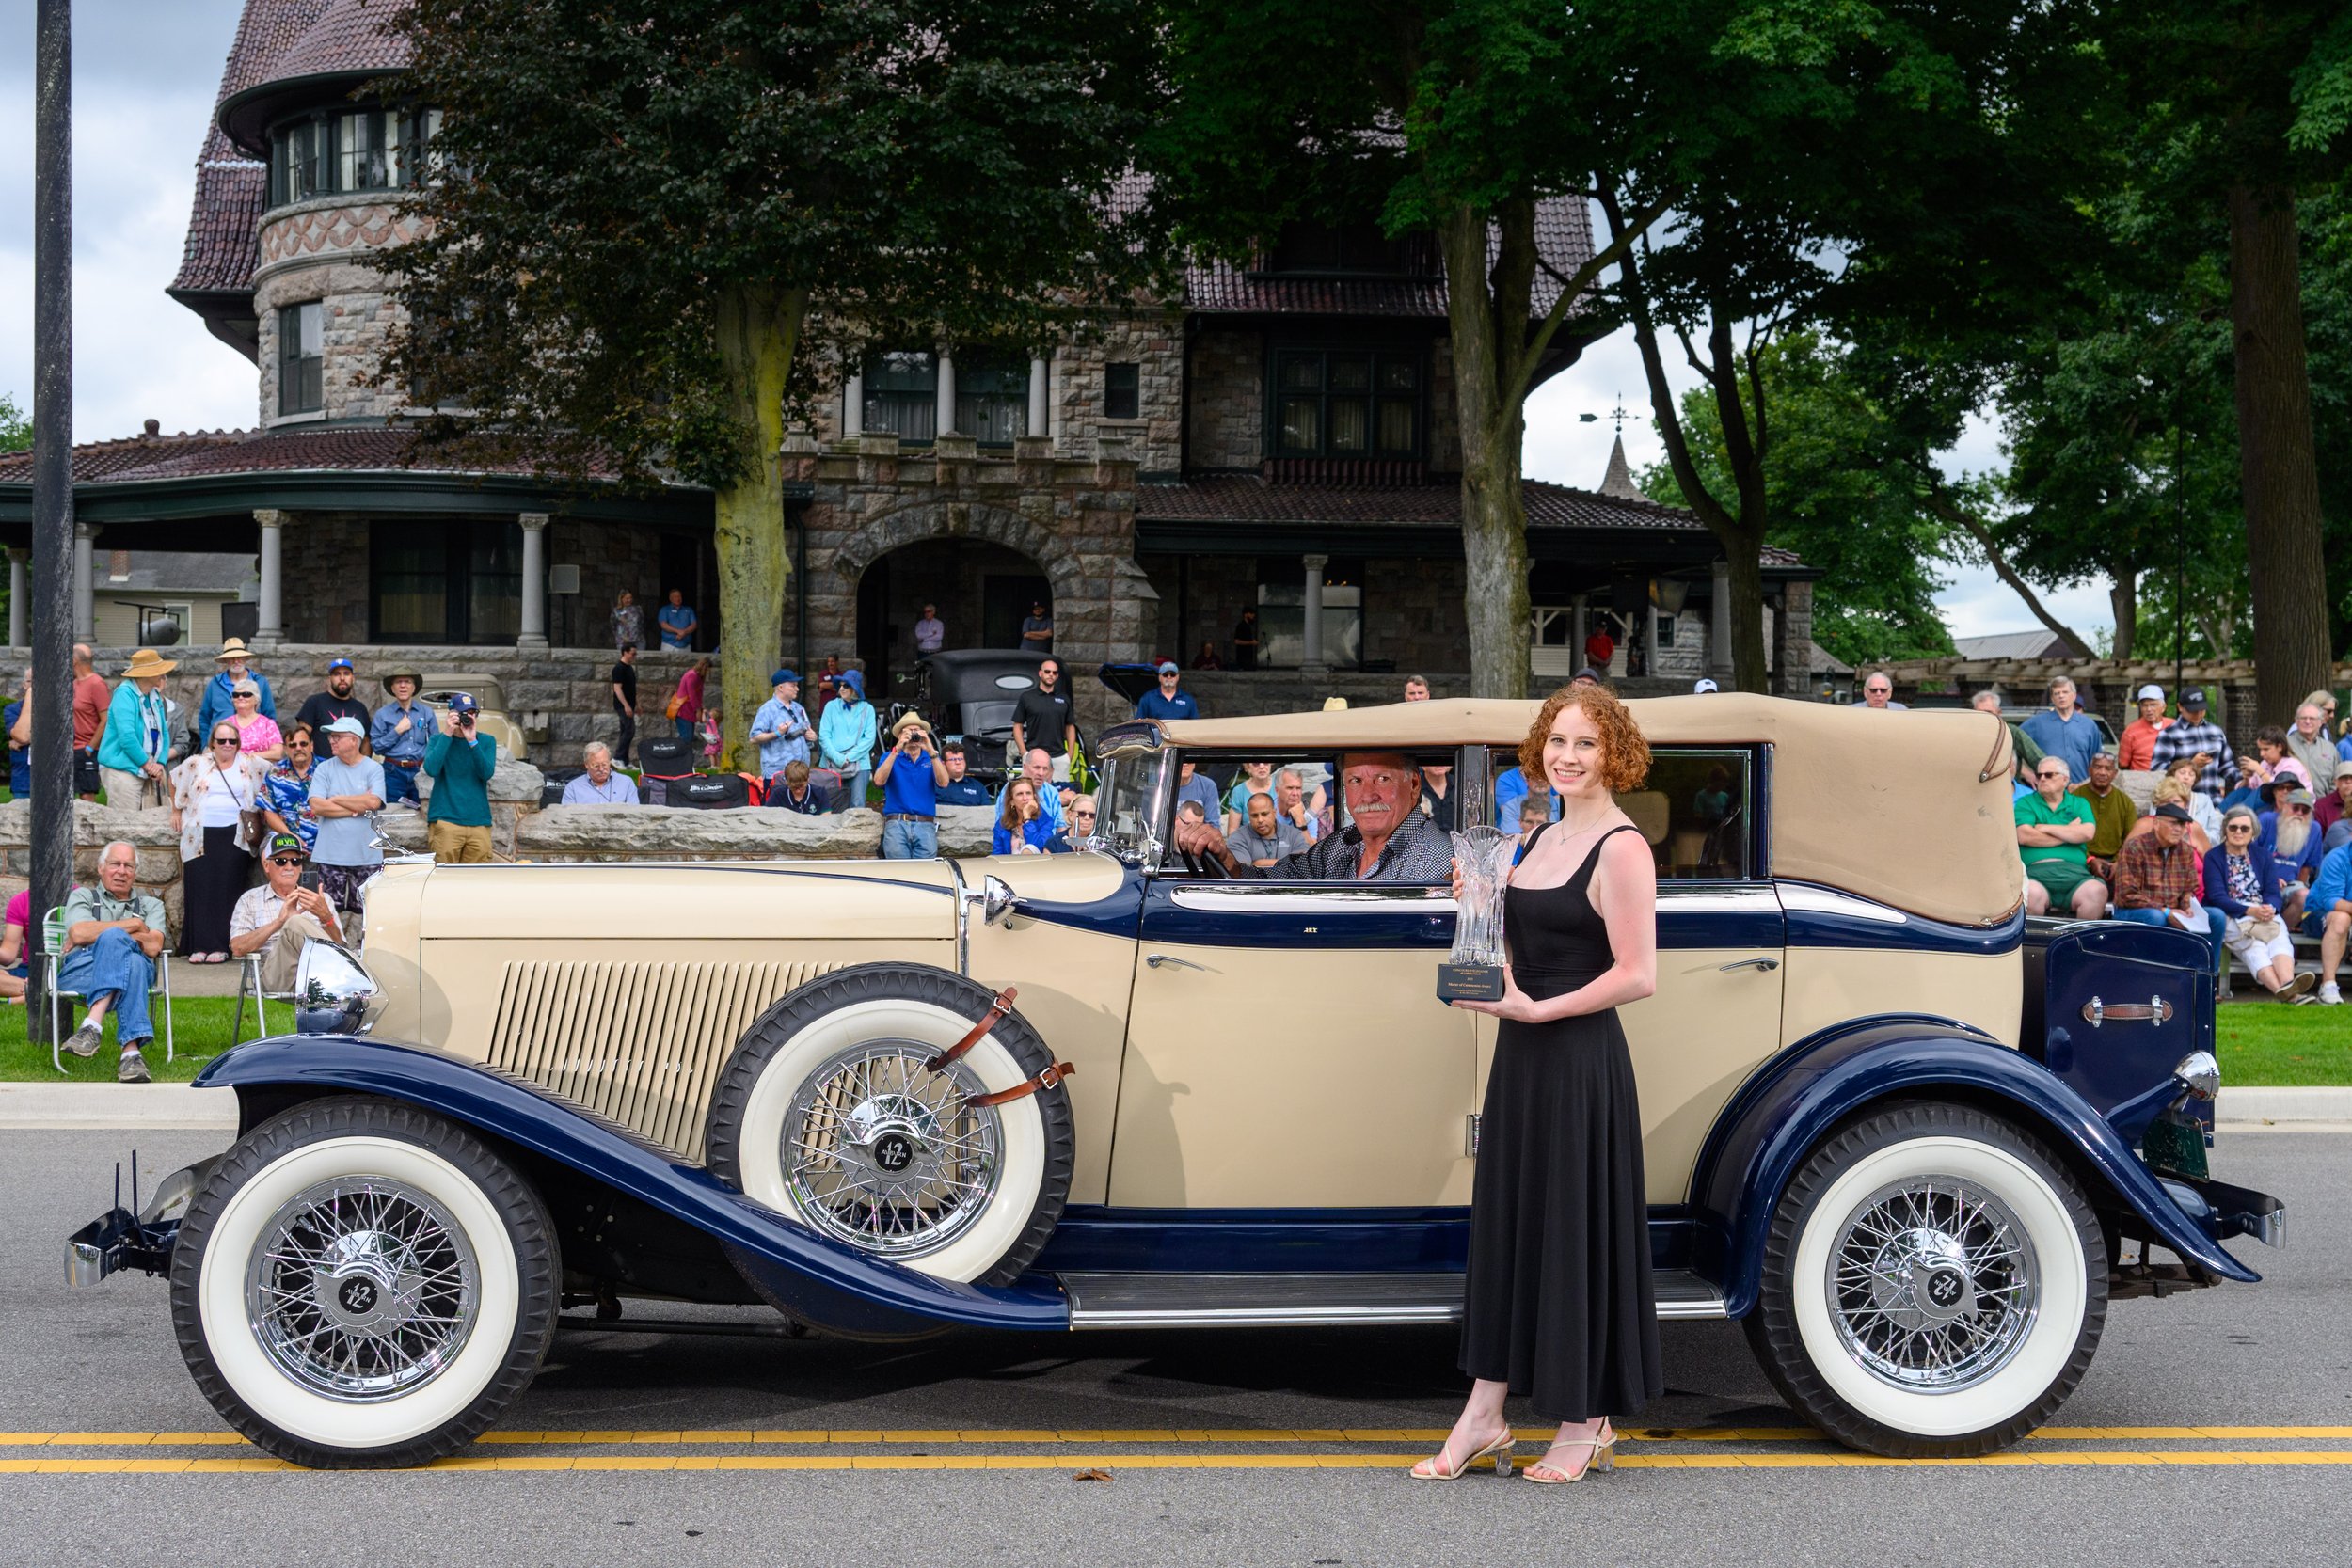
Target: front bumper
(2222,1211)
(140,1238)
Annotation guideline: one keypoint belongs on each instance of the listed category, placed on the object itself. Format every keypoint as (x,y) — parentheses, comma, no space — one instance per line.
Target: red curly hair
(1623,754)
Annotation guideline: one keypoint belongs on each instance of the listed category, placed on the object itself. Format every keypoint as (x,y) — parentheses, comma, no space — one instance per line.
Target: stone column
(270,620)
(1649,637)
(85,610)
(946,417)
(1310,656)
(1038,371)
(17,588)
(1577,628)
(853,406)
(535,628)
(1719,621)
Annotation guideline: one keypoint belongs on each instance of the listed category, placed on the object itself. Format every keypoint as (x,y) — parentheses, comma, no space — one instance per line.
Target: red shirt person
(2136,747)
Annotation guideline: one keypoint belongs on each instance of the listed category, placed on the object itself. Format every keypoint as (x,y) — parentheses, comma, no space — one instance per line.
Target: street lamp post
(51,584)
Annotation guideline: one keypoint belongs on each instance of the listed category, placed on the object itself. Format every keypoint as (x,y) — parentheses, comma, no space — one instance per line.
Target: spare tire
(829,1113)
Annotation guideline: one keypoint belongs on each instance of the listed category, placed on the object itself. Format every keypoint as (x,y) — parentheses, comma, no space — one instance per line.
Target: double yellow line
(1311,1449)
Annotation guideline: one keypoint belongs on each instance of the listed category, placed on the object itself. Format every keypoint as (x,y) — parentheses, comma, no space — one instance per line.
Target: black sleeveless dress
(1560,1303)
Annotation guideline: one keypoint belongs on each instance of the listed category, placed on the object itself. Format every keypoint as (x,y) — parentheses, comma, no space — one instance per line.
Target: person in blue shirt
(679,624)
(960,789)
(219,692)
(845,738)
(1021,827)
(2328,915)
(1167,701)
(1039,770)
(399,733)
(1192,786)
(2294,845)
(15,722)
(911,774)
(781,729)
(1510,789)
(2064,730)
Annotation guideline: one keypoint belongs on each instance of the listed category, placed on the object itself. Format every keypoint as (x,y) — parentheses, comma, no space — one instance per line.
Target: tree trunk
(2124,599)
(1746,561)
(1494,515)
(759,329)
(2278,468)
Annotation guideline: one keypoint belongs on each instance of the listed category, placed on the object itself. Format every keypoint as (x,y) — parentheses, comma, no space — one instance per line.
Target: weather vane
(1617,416)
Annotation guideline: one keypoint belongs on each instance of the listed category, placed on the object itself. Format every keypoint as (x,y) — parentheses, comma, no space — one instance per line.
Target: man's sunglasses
(286,860)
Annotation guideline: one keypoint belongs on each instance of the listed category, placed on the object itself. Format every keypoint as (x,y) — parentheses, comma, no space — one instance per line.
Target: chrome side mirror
(996,900)
(334,993)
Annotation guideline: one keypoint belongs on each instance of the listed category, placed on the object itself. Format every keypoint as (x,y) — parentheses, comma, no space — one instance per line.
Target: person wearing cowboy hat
(219,692)
(400,732)
(136,744)
(912,774)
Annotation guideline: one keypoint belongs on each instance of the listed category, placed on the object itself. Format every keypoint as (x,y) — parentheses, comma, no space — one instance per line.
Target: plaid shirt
(1417,852)
(2148,876)
(2185,740)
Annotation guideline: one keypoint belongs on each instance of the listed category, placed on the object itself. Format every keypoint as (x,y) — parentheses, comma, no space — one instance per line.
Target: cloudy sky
(145,73)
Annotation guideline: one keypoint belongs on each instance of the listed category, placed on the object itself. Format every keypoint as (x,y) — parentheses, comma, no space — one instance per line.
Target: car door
(1286,1049)
(1716,1014)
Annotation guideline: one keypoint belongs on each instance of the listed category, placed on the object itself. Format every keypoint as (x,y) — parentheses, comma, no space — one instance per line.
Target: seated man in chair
(114,938)
(1387,838)
(278,917)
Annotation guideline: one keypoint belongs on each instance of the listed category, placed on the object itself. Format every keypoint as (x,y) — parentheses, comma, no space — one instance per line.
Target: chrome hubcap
(363,1289)
(1934,1285)
(879,1153)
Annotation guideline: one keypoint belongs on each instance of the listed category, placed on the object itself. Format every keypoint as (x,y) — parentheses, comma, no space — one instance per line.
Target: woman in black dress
(1558,1300)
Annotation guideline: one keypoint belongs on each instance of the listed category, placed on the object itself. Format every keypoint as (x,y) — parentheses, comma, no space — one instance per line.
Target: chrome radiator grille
(640,1043)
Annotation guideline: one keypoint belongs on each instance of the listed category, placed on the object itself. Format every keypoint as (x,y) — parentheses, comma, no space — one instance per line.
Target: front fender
(830,1286)
(1782,1113)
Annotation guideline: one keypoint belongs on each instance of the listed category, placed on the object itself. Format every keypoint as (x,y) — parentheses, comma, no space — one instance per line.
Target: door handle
(1161,960)
(1764,965)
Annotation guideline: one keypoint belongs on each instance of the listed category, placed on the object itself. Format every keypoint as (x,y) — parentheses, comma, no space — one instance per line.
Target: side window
(1269,808)
(1694,808)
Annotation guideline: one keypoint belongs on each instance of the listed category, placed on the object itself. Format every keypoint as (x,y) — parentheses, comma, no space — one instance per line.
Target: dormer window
(1351,251)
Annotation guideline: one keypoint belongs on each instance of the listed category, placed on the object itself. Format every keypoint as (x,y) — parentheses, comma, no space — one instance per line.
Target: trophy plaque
(1473,971)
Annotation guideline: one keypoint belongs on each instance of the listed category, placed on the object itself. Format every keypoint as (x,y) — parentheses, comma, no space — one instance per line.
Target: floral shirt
(288,792)
(197,777)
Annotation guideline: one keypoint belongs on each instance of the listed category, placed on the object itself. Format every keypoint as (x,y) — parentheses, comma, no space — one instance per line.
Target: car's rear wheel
(829,1112)
(362,1283)
(1934,1284)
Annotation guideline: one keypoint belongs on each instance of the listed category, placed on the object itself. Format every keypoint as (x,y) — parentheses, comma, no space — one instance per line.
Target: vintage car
(1916,1144)
(970,693)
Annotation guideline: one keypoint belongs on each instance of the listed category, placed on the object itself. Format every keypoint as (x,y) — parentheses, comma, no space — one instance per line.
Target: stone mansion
(1280,436)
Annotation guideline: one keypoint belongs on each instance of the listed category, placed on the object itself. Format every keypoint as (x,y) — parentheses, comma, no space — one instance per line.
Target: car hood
(631,901)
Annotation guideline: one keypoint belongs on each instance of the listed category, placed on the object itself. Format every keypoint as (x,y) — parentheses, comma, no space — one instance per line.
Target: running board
(1275,1300)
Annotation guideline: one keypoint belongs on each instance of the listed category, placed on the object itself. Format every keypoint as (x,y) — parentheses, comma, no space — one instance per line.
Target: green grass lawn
(200,1030)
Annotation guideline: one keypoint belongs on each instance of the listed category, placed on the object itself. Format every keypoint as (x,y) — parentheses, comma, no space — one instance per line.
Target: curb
(2256,1106)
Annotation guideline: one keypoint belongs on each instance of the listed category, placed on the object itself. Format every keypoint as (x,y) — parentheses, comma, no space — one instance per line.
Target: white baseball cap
(1704,687)
(2151,691)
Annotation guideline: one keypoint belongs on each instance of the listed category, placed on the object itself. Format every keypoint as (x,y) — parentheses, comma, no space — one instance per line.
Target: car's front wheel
(362,1283)
(1934,1284)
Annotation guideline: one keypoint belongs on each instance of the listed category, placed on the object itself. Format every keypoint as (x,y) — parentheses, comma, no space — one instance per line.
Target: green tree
(1452,119)
(16,427)
(661,225)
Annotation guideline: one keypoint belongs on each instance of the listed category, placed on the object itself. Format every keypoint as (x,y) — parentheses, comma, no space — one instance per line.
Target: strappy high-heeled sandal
(1499,1450)
(1603,1457)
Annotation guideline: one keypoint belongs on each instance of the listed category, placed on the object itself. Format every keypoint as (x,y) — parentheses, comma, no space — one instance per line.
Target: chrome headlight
(334,993)
(2199,1073)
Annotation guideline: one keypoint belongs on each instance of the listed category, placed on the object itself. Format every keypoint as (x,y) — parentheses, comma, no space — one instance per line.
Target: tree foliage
(661,224)
(16,427)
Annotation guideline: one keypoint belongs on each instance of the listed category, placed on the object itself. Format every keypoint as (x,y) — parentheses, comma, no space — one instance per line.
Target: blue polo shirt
(1153,706)
(909,787)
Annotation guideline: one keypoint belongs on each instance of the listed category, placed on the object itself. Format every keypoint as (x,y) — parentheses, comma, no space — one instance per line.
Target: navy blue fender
(1793,1101)
(824,1283)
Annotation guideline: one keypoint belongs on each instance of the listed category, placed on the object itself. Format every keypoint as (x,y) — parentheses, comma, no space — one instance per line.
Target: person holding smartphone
(285,911)
(912,774)
(459,760)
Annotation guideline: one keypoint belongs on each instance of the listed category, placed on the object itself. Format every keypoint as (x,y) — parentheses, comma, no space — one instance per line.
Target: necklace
(1572,830)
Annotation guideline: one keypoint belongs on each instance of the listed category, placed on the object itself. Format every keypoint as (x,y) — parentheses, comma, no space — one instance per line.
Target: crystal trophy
(1473,971)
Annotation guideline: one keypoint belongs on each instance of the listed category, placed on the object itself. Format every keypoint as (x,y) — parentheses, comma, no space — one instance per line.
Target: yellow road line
(605,1463)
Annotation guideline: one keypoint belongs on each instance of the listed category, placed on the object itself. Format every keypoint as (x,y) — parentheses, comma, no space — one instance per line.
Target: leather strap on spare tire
(1050,1078)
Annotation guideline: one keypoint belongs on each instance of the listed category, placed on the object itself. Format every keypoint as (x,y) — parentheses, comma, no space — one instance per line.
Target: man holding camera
(459,761)
(911,774)
(278,917)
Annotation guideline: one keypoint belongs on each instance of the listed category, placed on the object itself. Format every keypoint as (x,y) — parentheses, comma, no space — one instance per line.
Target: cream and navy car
(1916,1144)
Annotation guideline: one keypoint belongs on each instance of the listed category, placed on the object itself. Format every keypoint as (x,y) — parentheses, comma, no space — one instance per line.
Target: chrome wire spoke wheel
(891,1158)
(363,1289)
(1932,1285)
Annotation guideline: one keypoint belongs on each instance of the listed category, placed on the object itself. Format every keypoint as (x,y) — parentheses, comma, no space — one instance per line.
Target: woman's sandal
(1499,1450)
(1603,1456)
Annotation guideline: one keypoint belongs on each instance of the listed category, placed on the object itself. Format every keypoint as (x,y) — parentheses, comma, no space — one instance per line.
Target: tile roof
(335,449)
(349,36)
(1564,238)
(103,460)
(267,30)
(223,245)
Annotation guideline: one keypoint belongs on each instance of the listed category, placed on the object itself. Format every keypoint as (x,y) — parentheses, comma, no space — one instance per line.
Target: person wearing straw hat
(911,774)
(399,733)
(220,692)
(136,744)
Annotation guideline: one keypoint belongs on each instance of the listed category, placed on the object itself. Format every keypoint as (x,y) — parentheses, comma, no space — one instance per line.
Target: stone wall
(1227,397)
(1154,440)
(320,250)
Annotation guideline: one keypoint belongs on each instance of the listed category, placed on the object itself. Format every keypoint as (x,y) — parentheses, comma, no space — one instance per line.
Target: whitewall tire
(1934,1284)
(362,1283)
(827,1113)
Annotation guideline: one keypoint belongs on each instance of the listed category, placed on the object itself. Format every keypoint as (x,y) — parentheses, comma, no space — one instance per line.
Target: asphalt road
(99,1367)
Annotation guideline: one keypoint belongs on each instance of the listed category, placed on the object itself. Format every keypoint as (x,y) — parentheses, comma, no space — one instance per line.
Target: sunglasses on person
(2238,826)
(229,740)
(286,860)
(1082,813)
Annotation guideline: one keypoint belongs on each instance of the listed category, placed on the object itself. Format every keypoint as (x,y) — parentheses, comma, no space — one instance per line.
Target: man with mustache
(1387,838)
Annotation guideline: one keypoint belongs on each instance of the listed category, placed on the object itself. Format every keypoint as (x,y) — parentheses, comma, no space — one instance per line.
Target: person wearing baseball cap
(1704,688)
(278,917)
(345,786)
(2155,879)
(911,774)
(2294,845)
(2194,735)
(2136,749)
(1167,701)
(322,709)
(781,729)
(459,759)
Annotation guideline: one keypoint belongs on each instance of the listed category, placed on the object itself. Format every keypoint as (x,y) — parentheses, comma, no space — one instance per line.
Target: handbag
(677,700)
(2265,931)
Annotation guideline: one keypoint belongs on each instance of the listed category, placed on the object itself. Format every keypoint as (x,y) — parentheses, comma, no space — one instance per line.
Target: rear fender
(1795,1100)
(828,1285)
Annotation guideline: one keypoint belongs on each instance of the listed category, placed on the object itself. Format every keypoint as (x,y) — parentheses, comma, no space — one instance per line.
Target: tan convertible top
(1911,809)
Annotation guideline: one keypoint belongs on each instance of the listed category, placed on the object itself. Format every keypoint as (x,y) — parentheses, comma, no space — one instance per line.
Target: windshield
(1129,802)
